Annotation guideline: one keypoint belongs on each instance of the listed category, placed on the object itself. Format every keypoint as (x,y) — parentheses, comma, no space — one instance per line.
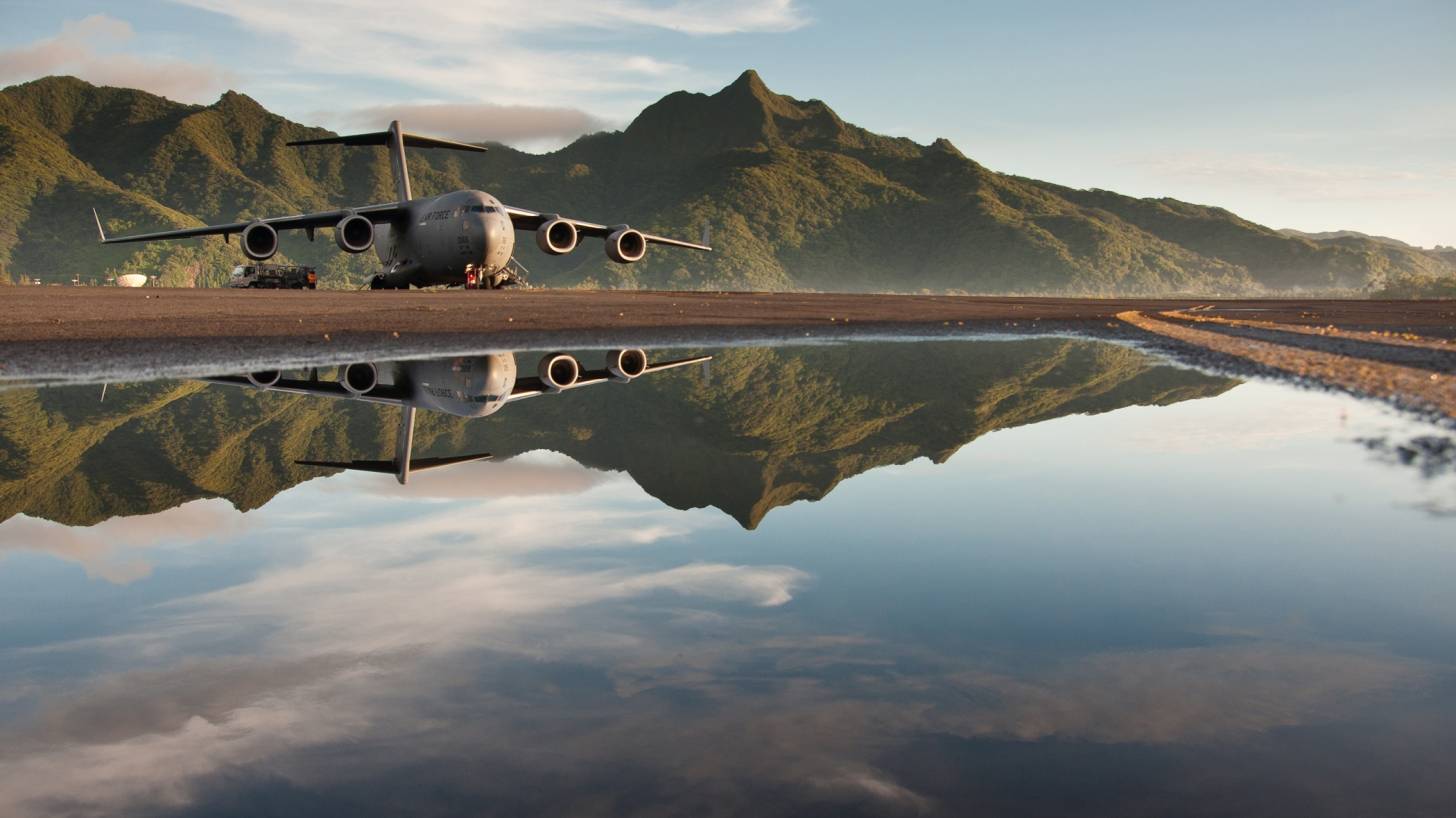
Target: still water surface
(1039,577)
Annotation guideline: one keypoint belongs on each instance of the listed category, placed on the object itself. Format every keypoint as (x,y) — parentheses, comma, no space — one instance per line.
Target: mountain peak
(749,93)
(743,114)
(946,146)
(748,82)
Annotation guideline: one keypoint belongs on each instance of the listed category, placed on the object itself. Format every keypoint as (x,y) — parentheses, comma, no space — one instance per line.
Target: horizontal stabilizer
(392,466)
(436,462)
(380,466)
(382,138)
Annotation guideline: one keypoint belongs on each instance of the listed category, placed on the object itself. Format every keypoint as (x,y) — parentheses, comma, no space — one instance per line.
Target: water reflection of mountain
(770,426)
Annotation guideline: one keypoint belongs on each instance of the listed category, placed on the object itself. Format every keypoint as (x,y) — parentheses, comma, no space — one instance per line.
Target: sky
(1311,115)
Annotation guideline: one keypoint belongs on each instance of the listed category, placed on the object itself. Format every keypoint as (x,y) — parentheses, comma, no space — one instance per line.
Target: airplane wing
(530,387)
(376,213)
(530,220)
(386,394)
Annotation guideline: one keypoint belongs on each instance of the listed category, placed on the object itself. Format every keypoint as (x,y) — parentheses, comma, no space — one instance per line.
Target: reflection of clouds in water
(107,549)
(66,766)
(752,707)
(352,599)
(1250,416)
(346,632)
(114,549)
(1185,695)
(523,635)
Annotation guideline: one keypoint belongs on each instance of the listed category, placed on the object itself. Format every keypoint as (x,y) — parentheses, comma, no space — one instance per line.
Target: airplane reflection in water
(466,386)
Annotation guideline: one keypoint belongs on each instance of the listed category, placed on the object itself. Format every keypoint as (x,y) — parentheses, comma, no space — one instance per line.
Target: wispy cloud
(573,54)
(88,48)
(1293,180)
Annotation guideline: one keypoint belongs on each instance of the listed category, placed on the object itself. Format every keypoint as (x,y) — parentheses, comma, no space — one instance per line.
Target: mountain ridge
(796,197)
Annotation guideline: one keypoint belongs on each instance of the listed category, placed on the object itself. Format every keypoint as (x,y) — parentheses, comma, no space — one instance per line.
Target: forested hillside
(795,198)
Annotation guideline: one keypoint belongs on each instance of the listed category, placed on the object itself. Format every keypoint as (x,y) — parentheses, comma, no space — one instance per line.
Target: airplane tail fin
(396,140)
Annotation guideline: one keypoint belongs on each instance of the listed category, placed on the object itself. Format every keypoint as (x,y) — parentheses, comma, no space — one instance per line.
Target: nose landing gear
(512,275)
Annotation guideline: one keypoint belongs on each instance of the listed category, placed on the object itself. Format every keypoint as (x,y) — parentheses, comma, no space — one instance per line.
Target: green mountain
(795,198)
(768,427)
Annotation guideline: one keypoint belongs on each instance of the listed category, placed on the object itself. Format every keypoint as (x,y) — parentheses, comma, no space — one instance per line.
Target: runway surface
(1401,351)
(84,313)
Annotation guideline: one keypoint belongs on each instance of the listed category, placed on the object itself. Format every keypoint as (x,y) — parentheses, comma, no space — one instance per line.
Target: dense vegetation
(795,198)
(771,426)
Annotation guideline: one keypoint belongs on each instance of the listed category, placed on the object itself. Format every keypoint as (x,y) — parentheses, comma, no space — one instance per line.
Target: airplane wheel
(377,283)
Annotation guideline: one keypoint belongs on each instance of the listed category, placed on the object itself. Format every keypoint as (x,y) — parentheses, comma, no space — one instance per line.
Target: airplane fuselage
(468,386)
(441,237)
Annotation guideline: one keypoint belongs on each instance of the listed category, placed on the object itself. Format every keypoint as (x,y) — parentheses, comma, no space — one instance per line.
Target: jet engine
(558,371)
(556,237)
(265,379)
(626,245)
(354,234)
(360,379)
(260,241)
(626,364)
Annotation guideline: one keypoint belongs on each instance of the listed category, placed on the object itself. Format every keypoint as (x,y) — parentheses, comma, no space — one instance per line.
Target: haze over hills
(795,198)
(769,428)
(1327,235)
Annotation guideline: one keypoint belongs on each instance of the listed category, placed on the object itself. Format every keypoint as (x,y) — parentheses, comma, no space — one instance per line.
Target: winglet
(99,231)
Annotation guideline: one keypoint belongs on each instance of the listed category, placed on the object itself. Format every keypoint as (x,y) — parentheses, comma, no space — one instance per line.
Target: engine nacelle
(558,371)
(556,237)
(260,241)
(354,234)
(360,379)
(626,364)
(626,245)
(265,378)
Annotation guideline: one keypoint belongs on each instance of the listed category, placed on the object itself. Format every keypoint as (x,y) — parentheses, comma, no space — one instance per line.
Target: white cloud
(569,53)
(86,48)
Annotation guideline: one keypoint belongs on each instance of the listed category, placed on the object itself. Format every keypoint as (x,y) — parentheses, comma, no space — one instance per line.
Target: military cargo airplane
(430,241)
(467,386)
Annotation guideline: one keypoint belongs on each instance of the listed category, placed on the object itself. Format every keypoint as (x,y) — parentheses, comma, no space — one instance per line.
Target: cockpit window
(478,208)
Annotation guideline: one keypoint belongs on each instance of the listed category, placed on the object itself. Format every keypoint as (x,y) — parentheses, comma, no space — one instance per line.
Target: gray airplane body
(436,240)
(465,386)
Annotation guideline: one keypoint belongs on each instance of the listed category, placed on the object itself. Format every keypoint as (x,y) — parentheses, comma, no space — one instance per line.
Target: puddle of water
(1023,577)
